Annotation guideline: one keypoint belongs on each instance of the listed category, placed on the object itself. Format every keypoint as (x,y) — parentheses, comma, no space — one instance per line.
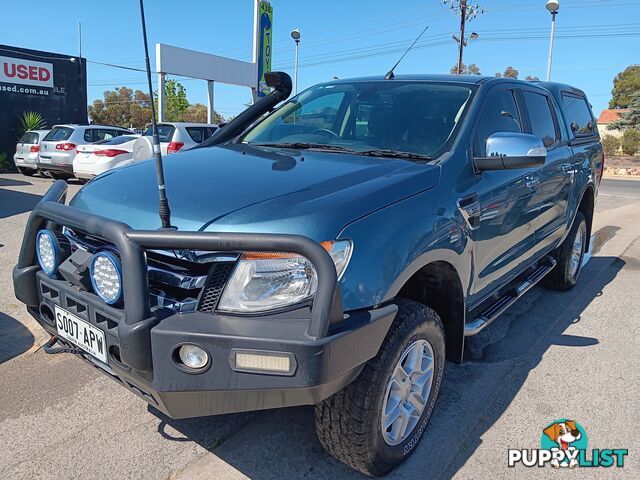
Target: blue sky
(595,38)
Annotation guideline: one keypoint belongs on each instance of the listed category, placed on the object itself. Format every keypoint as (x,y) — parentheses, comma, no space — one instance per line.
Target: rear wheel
(27,172)
(375,423)
(569,256)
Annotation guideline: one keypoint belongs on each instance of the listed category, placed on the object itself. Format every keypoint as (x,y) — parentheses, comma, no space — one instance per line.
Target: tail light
(110,152)
(34,149)
(173,147)
(66,146)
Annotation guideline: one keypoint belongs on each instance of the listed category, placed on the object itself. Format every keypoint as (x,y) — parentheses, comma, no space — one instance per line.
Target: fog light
(193,356)
(279,363)
(106,276)
(48,251)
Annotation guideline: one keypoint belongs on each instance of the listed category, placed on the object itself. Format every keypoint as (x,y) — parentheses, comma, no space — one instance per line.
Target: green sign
(265,37)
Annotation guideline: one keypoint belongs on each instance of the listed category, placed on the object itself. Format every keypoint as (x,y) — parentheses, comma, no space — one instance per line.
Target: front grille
(216,281)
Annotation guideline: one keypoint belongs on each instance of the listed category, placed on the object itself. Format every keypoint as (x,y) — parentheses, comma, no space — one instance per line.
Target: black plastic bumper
(328,351)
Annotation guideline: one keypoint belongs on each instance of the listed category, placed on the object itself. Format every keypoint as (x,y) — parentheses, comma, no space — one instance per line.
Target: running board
(495,310)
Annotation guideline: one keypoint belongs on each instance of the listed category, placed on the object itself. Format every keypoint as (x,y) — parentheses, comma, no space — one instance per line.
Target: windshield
(398,116)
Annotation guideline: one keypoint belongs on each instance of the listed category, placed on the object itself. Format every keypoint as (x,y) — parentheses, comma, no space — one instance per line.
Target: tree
(532,78)
(121,107)
(625,85)
(510,72)
(175,102)
(472,69)
(631,141)
(197,112)
(611,144)
(630,118)
(31,121)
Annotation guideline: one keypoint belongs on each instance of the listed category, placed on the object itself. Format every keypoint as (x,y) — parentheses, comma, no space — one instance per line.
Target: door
(552,193)
(505,230)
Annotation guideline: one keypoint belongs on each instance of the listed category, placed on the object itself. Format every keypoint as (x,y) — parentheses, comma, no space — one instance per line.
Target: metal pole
(553,29)
(256,44)
(463,18)
(163,210)
(210,110)
(295,76)
(80,39)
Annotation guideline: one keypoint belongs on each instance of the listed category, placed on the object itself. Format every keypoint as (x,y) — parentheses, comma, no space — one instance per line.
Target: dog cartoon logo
(564,435)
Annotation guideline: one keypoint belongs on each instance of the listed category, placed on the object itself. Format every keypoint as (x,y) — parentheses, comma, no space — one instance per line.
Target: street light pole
(295,34)
(552,6)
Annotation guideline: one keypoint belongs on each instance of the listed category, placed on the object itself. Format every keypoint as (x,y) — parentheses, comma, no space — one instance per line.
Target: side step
(495,310)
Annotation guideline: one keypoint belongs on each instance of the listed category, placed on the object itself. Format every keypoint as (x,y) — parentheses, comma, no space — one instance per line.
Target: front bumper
(329,347)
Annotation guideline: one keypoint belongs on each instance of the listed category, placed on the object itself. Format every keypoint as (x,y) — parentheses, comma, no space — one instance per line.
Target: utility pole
(467,13)
(463,18)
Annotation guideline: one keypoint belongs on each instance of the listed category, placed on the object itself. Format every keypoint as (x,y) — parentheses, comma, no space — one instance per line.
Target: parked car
(26,156)
(96,158)
(58,147)
(176,136)
(334,251)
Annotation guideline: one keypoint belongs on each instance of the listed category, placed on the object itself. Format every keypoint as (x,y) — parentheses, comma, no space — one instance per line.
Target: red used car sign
(26,72)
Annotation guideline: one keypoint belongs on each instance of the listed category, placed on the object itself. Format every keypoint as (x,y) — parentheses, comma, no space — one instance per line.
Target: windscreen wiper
(305,146)
(393,154)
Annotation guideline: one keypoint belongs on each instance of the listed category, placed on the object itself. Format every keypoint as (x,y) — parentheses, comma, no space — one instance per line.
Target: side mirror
(506,151)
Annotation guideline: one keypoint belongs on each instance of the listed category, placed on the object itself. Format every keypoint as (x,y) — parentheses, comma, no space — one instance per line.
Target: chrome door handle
(567,168)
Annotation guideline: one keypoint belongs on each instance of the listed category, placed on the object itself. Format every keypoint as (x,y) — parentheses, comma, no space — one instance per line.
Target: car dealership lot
(551,356)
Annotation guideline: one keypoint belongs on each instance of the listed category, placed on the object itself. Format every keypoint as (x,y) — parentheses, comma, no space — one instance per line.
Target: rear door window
(579,116)
(540,117)
(58,134)
(500,114)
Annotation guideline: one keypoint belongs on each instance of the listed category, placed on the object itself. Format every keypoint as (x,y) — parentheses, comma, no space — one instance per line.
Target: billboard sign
(26,72)
(265,31)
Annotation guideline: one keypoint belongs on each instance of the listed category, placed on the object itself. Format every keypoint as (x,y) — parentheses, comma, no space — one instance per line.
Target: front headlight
(266,281)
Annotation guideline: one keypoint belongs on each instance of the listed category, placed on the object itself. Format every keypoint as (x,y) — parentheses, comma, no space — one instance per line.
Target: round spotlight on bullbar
(193,356)
(106,276)
(48,251)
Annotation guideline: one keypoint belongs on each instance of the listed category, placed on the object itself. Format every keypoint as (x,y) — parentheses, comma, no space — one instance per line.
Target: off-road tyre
(561,278)
(27,172)
(348,423)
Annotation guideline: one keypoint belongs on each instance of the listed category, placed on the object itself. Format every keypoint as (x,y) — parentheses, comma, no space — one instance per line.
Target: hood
(240,188)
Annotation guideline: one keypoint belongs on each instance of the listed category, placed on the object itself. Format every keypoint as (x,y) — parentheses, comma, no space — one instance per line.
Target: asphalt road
(553,355)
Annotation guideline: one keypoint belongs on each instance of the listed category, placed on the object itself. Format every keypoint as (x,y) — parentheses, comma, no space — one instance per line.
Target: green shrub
(31,121)
(631,141)
(611,144)
(5,164)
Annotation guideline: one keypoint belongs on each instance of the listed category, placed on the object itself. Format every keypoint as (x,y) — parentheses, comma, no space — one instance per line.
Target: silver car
(26,156)
(175,136)
(58,147)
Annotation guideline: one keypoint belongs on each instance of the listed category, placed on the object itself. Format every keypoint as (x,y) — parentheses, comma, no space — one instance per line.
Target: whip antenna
(163,207)
(390,75)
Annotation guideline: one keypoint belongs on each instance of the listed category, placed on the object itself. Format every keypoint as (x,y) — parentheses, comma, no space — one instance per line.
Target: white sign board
(26,72)
(190,63)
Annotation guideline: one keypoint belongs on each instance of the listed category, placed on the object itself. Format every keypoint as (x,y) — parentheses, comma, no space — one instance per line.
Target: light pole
(552,6)
(295,34)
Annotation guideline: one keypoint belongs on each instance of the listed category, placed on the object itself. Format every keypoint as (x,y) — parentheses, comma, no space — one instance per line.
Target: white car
(26,156)
(98,157)
(176,136)
(58,147)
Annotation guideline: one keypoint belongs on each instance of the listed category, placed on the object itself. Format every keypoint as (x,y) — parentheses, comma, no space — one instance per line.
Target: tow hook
(48,347)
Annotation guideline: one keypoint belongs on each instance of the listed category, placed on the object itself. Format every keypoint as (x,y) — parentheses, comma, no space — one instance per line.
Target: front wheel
(569,256)
(375,422)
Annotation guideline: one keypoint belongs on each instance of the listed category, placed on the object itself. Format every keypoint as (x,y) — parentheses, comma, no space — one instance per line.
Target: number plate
(81,334)
(45,159)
